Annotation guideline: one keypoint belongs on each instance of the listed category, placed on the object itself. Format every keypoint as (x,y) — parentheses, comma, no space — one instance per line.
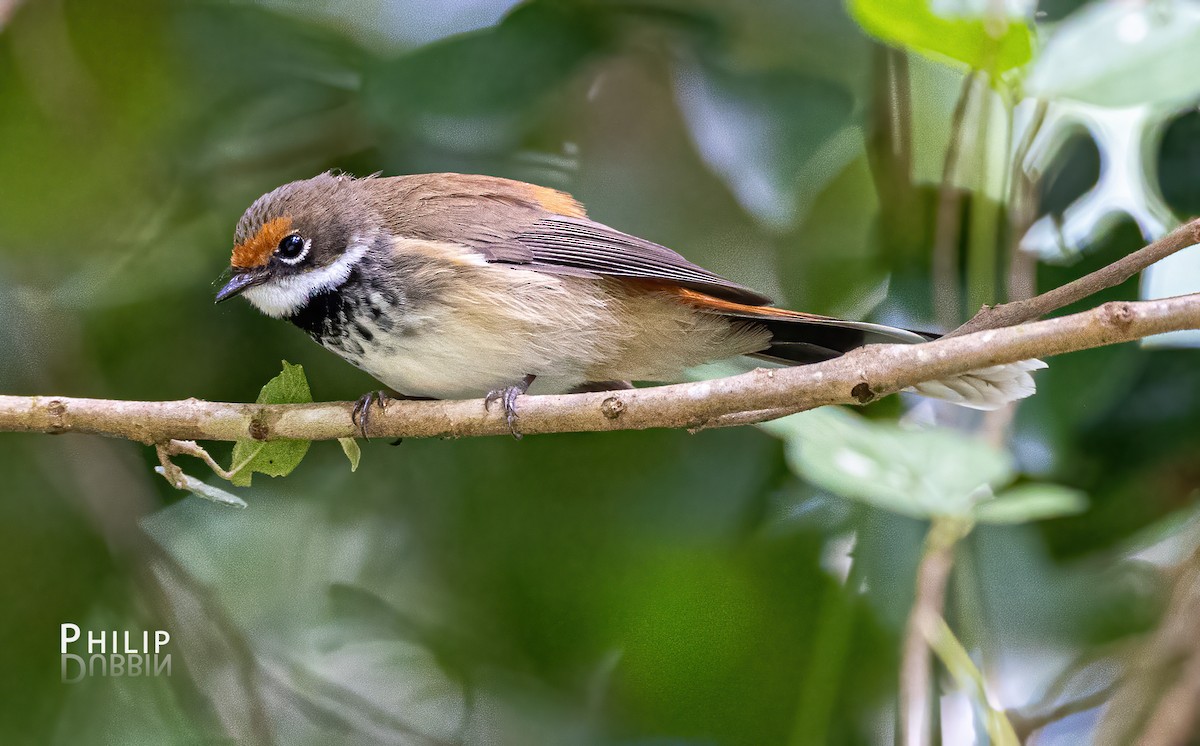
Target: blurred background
(902,162)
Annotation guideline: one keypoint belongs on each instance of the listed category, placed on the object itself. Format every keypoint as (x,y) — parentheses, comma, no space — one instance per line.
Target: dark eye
(291,248)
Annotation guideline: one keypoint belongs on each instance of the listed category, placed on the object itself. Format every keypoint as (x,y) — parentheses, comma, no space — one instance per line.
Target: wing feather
(511,222)
(580,244)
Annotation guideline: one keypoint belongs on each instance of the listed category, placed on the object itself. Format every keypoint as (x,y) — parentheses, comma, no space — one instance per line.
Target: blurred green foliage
(649,587)
(974,39)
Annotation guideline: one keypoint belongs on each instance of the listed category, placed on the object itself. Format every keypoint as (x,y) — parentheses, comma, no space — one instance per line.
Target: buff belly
(507,323)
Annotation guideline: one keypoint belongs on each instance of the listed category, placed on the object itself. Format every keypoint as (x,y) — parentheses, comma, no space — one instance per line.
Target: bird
(456,286)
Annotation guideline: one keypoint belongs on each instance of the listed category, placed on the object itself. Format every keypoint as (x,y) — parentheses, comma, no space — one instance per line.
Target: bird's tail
(800,338)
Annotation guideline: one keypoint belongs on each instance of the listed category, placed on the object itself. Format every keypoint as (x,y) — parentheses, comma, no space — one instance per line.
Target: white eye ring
(299,257)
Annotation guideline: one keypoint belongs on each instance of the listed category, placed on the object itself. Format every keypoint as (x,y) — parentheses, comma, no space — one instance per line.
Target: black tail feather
(801,341)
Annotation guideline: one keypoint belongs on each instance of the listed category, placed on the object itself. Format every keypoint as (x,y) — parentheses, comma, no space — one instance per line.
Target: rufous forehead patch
(256,250)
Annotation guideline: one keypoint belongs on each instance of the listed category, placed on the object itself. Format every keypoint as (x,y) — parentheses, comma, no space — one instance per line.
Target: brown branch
(1029,309)
(947,301)
(916,674)
(1027,725)
(1022,211)
(858,377)
(1019,312)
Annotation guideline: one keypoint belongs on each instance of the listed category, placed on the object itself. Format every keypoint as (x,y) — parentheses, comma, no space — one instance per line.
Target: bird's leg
(361,414)
(508,397)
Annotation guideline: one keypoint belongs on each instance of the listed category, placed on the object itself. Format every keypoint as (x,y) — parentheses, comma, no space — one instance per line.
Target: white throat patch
(285,295)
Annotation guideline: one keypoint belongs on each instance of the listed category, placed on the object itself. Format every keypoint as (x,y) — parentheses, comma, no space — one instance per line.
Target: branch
(1026,726)
(916,675)
(1018,312)
(1029,309)
(947,301)
(857,377)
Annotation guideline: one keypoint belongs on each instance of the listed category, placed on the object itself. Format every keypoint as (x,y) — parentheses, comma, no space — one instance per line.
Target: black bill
(239,283)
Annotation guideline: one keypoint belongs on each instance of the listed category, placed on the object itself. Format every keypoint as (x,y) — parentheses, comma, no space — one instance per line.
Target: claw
(508,397)
(361,414)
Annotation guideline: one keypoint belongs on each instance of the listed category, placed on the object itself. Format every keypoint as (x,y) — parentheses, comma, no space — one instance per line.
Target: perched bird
(455,286)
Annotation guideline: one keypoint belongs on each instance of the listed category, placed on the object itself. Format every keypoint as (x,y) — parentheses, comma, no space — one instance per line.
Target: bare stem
(1027,725)
(946,297)
(1018,312)
(916,674)
(191,448)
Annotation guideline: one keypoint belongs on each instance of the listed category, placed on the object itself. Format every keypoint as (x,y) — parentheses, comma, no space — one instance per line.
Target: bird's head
(300,240)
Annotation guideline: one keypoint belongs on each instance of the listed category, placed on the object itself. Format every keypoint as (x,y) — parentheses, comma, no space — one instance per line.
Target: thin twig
(916,674)
(172,473)
(191,448)
(1022,268)
(947,300)
(1027,725)
(982,234)
(1023,190)
(1019,312)
(889,147)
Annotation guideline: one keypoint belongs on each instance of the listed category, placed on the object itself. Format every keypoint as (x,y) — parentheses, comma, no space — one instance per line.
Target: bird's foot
(508,397)
(361,414)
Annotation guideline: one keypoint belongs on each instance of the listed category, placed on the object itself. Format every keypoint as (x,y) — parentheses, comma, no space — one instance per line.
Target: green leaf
(919,473)
(352,451)
(978,41)
(1031,502)
(207,491)
(274,458)
(289,387)
(1122,54)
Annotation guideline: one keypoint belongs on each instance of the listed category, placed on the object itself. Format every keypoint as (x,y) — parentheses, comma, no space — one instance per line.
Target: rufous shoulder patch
(256,250)
(557,202)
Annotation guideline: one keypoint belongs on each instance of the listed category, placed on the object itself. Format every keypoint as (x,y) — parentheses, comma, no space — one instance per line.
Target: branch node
(862,393)
(1117,314)
(57,409)
(612,408)
(258,427)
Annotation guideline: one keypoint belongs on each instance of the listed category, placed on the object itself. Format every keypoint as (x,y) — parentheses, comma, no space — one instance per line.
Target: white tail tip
(987,388)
